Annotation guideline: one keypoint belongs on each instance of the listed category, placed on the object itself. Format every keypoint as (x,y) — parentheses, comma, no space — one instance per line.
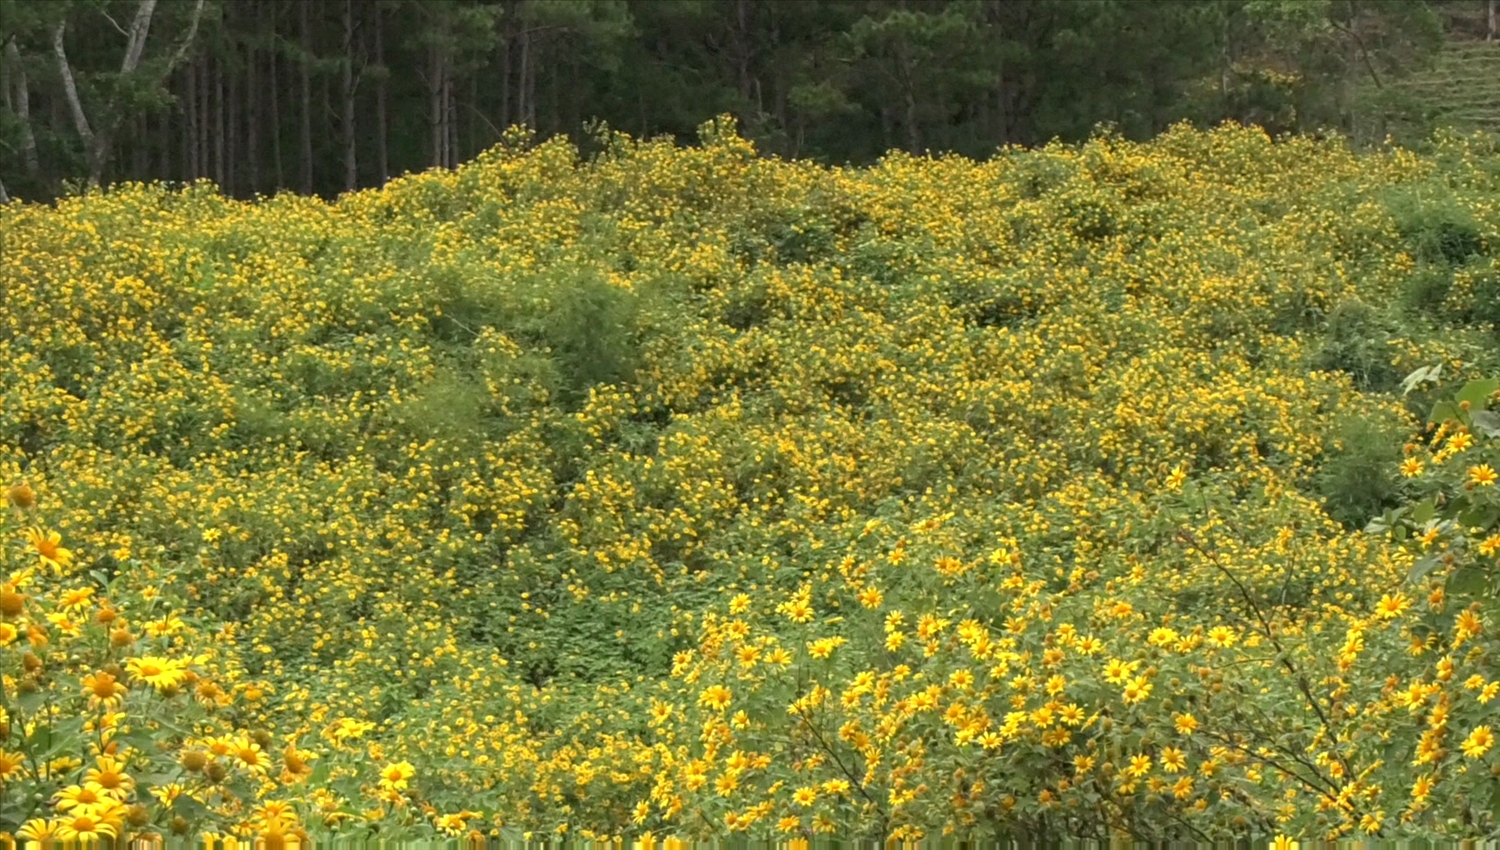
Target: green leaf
(1486,422)
(1388,521)
(1469,581)
(1424,510)
(1421,569)
(1479,516)
(1444,411)
(29,703)
(188,807)
(1477,392)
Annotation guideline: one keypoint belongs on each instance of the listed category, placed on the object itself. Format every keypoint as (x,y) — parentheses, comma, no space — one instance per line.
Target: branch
(137,43)
(1364,52)
(187,41)
(112,22)
(70,88)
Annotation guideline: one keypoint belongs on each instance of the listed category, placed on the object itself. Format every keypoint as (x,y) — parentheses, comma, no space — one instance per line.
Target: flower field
(1085,491)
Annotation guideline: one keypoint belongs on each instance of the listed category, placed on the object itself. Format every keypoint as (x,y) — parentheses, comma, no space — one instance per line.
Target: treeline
(323,96)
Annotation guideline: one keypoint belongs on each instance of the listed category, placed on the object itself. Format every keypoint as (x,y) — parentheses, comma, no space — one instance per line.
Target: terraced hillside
(1463,89)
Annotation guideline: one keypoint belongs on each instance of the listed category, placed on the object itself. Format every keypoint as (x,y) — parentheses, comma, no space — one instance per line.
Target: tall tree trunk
(382,151)
(527,104)
(471,138)
(221,167)
(21,105)
(205,120)
(506,37)
(190,126)
(274,88)
(450,119)
(306,157)
(4,196)
(164,144)
(1494,28)
(351,169)
(742,63)
(140,149)
(252,106)
(233,118)
(435,107)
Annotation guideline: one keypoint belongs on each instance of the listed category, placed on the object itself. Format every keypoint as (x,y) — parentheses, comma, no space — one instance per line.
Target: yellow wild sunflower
(102,690)
(109,774)
(160,673)
(86,828)
(49,548)
(86,797)
(295,765)
(37,829)
(249,753)
(396,776)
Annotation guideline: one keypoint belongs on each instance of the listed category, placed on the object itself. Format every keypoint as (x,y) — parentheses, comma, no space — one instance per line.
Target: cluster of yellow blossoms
(682,491)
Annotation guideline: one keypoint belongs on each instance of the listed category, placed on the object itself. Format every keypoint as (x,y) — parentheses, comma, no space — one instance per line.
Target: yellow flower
(159,673)
(86,797)
(1136,690)
(1173,760)
(1482,475)
(346,729)
(102,690)
(249,754)
(1479,742)
(1176,478)
(1411,467)
(1139,766)
(1185,723)
(1162,636)
(799,608)
(109,774)
(1117,671)
(805,796)
(21,495)
(1221,636)
(169,793)
(295,765)
(274,816)
(48,545)
(1489,692)
(871,597)
(716,697)
(1422,788)
(85,827)
(824,647)
(1391,605)
(11,765)
(76,599)
(396,776)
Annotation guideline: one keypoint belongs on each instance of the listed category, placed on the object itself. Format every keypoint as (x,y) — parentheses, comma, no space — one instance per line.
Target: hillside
(1462,90)
(685,491)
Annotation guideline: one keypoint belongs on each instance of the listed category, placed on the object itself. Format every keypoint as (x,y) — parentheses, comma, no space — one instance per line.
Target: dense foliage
(687,491)
(324,96)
